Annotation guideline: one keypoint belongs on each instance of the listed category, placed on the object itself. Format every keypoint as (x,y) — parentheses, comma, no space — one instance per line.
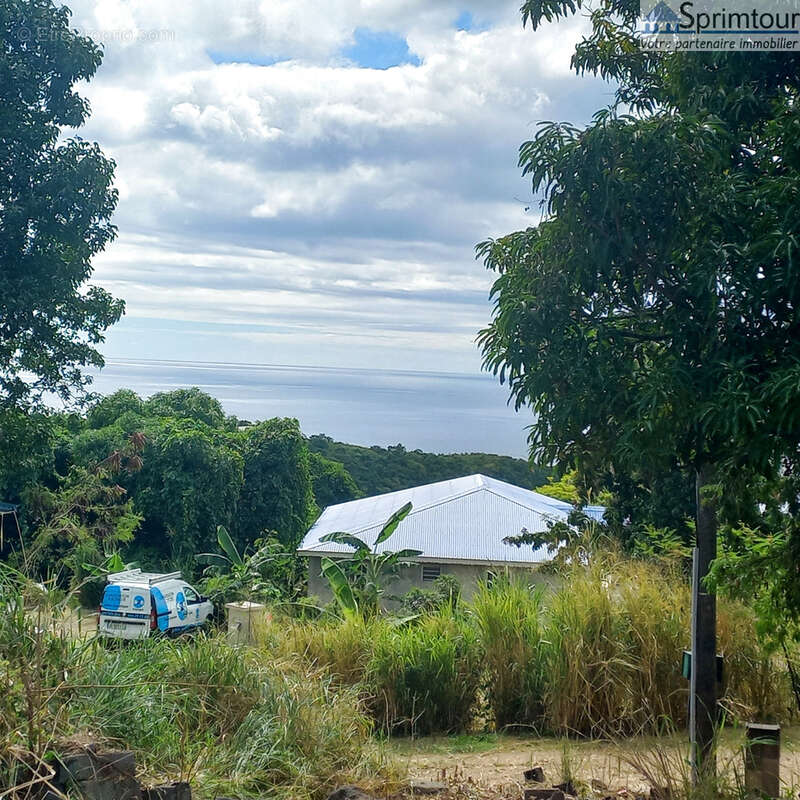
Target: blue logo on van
(112,597)
(180,605)
(138,601)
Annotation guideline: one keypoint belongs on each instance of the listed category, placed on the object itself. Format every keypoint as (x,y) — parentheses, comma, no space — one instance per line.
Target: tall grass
(597,654)
(229,719)
(342,647)
(616,632)
(510,618)
(424,677)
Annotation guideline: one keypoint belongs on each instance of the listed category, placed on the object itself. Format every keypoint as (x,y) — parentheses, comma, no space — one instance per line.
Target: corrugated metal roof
(465,519)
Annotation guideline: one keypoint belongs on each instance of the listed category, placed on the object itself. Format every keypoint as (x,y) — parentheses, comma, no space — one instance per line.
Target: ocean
(436,412)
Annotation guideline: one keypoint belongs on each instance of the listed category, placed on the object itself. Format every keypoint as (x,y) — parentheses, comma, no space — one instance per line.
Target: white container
(244,620)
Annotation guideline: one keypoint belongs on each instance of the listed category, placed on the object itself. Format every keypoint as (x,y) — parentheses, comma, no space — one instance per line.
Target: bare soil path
(498,761)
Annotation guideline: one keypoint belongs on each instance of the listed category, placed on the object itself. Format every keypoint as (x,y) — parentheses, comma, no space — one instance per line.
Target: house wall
(468,575)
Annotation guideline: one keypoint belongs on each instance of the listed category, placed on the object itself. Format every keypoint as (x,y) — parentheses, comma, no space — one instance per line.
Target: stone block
(543,794)
(179,790)
(427,787)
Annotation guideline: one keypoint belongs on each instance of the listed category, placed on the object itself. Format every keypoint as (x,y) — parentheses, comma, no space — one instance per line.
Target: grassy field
(314,703)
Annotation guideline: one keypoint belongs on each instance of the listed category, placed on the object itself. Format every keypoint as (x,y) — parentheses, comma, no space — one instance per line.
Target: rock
(427,787)
(349,793)
(543,794)
(89,765)
(535,774)
(179,790)
(119,789)
(109,775)
(567,787)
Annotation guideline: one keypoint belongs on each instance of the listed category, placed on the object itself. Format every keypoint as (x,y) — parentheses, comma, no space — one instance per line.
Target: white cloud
(331,207)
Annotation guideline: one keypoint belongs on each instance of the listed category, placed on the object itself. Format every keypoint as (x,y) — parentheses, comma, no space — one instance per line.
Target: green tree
(331,482)
(78,526)
(187,404)
(277,492)
(190,482)
(377,470)
(27,443)
(652,318)
(107,410)
(56,202)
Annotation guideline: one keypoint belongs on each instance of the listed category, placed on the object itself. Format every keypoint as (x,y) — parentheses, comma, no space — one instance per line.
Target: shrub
(445,591)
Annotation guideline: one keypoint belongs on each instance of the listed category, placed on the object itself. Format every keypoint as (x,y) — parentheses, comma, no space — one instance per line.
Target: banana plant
(231,575)
(359,582)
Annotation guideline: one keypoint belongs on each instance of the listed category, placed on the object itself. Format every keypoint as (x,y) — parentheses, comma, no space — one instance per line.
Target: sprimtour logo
(707,25)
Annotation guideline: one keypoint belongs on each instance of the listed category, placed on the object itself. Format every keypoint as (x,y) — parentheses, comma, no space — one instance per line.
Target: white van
(136,604)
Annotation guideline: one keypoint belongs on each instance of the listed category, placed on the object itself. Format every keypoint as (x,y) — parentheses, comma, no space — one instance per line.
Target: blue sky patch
(259,60)
(379,50)
(464,21)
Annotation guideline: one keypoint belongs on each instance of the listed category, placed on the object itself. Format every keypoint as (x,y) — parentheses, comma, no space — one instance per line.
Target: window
(430,572)
(190,595)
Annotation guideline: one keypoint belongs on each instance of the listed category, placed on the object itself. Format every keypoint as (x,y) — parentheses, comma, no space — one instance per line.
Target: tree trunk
(704,635)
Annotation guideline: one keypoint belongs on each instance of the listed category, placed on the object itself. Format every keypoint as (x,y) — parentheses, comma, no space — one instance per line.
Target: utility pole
(703,683)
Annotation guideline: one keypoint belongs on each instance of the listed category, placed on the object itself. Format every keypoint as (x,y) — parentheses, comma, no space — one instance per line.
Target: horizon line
(124,359)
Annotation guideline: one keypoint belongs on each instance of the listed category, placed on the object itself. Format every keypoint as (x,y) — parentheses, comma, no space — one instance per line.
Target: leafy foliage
(359,582)
(445,592)
(56,202)
(387,469)
(277,492)
(331,482)
(78,526)
(268,573)
(651,320)
(192,404)
(190,483)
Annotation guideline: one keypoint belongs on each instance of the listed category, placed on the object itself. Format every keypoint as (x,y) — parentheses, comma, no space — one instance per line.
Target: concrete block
(244,620)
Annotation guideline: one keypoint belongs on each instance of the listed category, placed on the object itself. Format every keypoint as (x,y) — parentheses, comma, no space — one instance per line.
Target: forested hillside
(387,469)
(153,478)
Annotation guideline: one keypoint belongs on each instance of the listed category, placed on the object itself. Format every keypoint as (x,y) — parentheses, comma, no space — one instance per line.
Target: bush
(424,677)
(445,591)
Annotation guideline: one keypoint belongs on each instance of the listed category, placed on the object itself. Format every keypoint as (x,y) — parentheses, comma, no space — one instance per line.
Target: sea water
(436,412)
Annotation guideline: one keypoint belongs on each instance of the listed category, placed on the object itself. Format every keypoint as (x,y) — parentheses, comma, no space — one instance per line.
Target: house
(459,525)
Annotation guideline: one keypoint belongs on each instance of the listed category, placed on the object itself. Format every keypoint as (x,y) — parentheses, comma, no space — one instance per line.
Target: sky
(304,182)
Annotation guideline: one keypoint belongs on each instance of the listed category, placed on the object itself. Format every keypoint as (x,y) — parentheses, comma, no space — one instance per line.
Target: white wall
(468,575)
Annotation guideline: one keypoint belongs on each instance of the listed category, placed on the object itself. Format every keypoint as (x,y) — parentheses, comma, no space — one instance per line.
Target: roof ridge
(420,509)
(518,503)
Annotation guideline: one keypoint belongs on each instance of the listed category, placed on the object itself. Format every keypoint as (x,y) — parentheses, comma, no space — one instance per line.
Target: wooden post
(703,685)
(762,760)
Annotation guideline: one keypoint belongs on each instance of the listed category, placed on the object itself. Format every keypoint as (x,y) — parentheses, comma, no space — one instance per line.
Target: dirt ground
(633,764)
